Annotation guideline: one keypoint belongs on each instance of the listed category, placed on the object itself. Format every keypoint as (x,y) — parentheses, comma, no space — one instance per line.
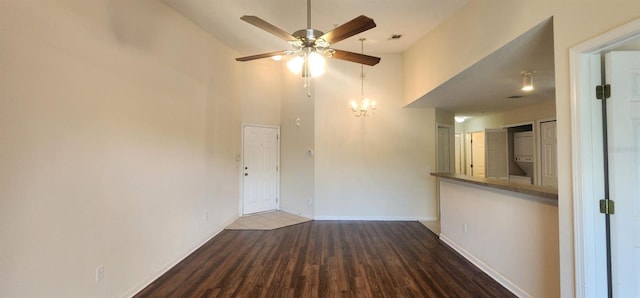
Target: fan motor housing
(307,36)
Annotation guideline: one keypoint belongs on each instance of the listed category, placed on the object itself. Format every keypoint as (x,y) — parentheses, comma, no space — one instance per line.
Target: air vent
(515,96)
(395,36)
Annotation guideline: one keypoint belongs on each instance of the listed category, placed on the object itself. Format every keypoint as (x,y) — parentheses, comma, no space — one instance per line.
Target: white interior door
(467,153)
(623,129)
(444,149)
(548,154)
(477,154)
(497,157)
(458,153)
(260,164)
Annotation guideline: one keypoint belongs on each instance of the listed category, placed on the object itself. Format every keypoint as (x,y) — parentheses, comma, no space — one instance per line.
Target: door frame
(241,167)
(452,131)
(469,141)
(586,225)
(536,141)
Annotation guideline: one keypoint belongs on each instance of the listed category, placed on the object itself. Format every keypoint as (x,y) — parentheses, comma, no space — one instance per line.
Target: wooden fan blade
(260,56)
(262,24)
(348,29)
(355,57)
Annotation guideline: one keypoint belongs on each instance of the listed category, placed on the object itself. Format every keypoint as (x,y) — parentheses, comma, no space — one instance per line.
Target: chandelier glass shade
(365,106)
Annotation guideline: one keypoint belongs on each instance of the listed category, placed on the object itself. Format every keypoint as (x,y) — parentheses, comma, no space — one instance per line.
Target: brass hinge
(607,207)
(603,91)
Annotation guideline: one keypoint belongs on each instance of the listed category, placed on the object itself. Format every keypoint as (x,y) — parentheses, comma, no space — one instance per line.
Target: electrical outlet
(464,227)
(309,201)
(100,273)
(206,216)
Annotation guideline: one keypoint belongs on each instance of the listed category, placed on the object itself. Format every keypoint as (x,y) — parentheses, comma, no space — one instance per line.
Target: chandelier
(366,106)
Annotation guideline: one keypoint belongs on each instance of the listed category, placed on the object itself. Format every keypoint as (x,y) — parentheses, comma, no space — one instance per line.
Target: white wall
(117,121)
(541,111)
(261,91)
(371,168)
(477,30)
(297,165)
(511,236)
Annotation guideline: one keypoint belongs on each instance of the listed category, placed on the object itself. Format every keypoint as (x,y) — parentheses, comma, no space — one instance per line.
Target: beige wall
(297,164)
(542,111)
(505,233)
(371,168)
(477,30)
(119,123)
(444,117)
(261,91)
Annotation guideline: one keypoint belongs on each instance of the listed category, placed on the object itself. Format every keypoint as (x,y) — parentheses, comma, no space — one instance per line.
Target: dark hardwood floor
(326,259)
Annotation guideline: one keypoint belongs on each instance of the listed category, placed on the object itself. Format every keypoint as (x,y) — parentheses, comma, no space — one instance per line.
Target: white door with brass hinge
(260,184)
(623,129)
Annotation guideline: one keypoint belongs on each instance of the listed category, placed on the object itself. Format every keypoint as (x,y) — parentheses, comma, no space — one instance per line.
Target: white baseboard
(505,282)
(164,269)
(374,218)
(297,213)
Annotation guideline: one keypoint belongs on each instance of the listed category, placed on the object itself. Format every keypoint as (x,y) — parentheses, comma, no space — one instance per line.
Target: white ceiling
(484,87)
(411,18)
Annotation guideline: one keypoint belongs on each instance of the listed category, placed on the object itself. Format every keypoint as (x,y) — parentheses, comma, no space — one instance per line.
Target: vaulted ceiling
(411,18)
(484,87)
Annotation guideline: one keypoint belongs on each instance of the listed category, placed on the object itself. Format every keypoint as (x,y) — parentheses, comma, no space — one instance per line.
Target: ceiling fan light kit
(311,46)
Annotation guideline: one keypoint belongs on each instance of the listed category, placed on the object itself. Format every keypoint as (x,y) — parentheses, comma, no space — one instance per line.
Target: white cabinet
(523,146)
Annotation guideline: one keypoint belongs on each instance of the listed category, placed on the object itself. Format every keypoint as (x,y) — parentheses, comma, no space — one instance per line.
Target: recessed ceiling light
(395,36)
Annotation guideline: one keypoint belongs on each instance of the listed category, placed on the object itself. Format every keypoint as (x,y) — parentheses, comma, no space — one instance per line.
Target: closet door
(496,154)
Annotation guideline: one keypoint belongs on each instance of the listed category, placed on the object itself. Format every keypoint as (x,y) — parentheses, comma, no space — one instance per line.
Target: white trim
(510,125)
(452,132)
(375,218)
(534,131)
(295,212)
(136,289)
(581,158)
(505,282)
(241,173)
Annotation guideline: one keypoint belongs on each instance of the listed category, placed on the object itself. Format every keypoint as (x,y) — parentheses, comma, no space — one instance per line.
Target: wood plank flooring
(326,259)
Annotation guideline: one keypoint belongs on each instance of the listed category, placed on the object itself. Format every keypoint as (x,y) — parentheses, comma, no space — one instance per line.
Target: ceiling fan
(310,44)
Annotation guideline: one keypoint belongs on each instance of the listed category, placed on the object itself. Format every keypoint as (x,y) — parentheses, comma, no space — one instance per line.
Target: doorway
(606,164)
(474,149)
(261,162)
(446,149)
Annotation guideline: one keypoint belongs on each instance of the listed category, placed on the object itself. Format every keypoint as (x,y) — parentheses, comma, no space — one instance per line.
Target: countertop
(530,189)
